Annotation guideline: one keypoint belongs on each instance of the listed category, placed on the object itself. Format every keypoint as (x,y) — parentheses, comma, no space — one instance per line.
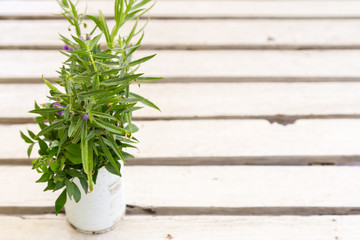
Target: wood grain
(230,188)
(224,138)
(199,9)
(205,34)
(190,227)
(214,100)
(214,64)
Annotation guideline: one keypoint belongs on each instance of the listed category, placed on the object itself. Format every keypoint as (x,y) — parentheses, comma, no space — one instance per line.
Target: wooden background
(258,137)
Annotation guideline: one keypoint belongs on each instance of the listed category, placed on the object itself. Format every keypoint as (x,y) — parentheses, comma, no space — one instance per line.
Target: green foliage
(87,123)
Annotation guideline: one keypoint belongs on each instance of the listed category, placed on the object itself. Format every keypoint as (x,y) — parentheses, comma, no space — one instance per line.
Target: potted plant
(87,123)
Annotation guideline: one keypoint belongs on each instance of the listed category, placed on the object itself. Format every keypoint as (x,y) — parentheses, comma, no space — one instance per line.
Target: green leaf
(81,43)
(106,116)
(140,4)
(74,126)
(86,154)
(115,147)
(31,134)
(49,128)
(63,137)
(26,139)
(148,79)
(144,101)
(94,41)
(53,166)
(74,159)
(46,110)
(74,173)
(43,147)
(50,86)
(111,169)
(110,127)
(132,32)
(96,21)
(105,28)
(77,193)
(73,153)
(29,150)
(44,178)
(141,60)
(122,80)
(133,129)
(69,188)
(84,184)
(60,202)
(109,156)
(59,185)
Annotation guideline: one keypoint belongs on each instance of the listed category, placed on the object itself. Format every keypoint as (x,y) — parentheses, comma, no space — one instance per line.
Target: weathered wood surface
(205,34)
(224,138)
(190,228)
(199,9)
(196,190)
(209,190)
(211,65)
(213,100)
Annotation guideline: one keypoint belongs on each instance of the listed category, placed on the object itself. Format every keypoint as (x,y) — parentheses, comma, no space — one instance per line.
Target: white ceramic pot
(102,209)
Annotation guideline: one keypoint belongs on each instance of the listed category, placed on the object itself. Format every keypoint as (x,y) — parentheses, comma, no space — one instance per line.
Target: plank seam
(339,160)
(204,79)
(199,47)
(281,119)
(243,17)
(181,211)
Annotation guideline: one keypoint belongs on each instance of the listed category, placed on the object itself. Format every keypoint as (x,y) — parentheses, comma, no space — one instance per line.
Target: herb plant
(87,122)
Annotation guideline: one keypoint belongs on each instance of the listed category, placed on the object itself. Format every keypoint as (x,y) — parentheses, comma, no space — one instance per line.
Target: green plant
(87,123)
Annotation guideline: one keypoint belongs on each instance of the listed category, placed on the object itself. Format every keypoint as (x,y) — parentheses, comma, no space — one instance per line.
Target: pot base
(116,224)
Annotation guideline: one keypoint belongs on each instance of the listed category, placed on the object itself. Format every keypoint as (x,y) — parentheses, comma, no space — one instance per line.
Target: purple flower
(71,49)
(88,37)
(85,117)
(57,105)
(65,47)
(81,38)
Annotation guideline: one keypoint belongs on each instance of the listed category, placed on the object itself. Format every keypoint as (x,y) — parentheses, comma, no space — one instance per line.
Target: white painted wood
(180,8)
(212,99)
(195,33)
(227,138)
(190,228)
(215,64)
(210,186)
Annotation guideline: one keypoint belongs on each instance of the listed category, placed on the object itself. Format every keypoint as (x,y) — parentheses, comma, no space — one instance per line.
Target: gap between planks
(210,211)
(223,161)
(217,79)
(194,47)
(278,118)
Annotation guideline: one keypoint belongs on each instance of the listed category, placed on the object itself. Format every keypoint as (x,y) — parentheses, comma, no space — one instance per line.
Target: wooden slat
(206,34)
(214,66)
(224,138)
(214,100)
(210,190)
(190,227)
(200,9)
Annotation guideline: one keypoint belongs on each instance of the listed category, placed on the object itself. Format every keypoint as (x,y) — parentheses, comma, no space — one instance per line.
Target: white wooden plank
(212,64)
(210,186)
(226,138)
(190,228)
(213,99)
(224,9)
(197,34)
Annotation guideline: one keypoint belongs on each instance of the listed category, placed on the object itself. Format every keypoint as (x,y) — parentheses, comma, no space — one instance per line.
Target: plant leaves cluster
(86,125)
